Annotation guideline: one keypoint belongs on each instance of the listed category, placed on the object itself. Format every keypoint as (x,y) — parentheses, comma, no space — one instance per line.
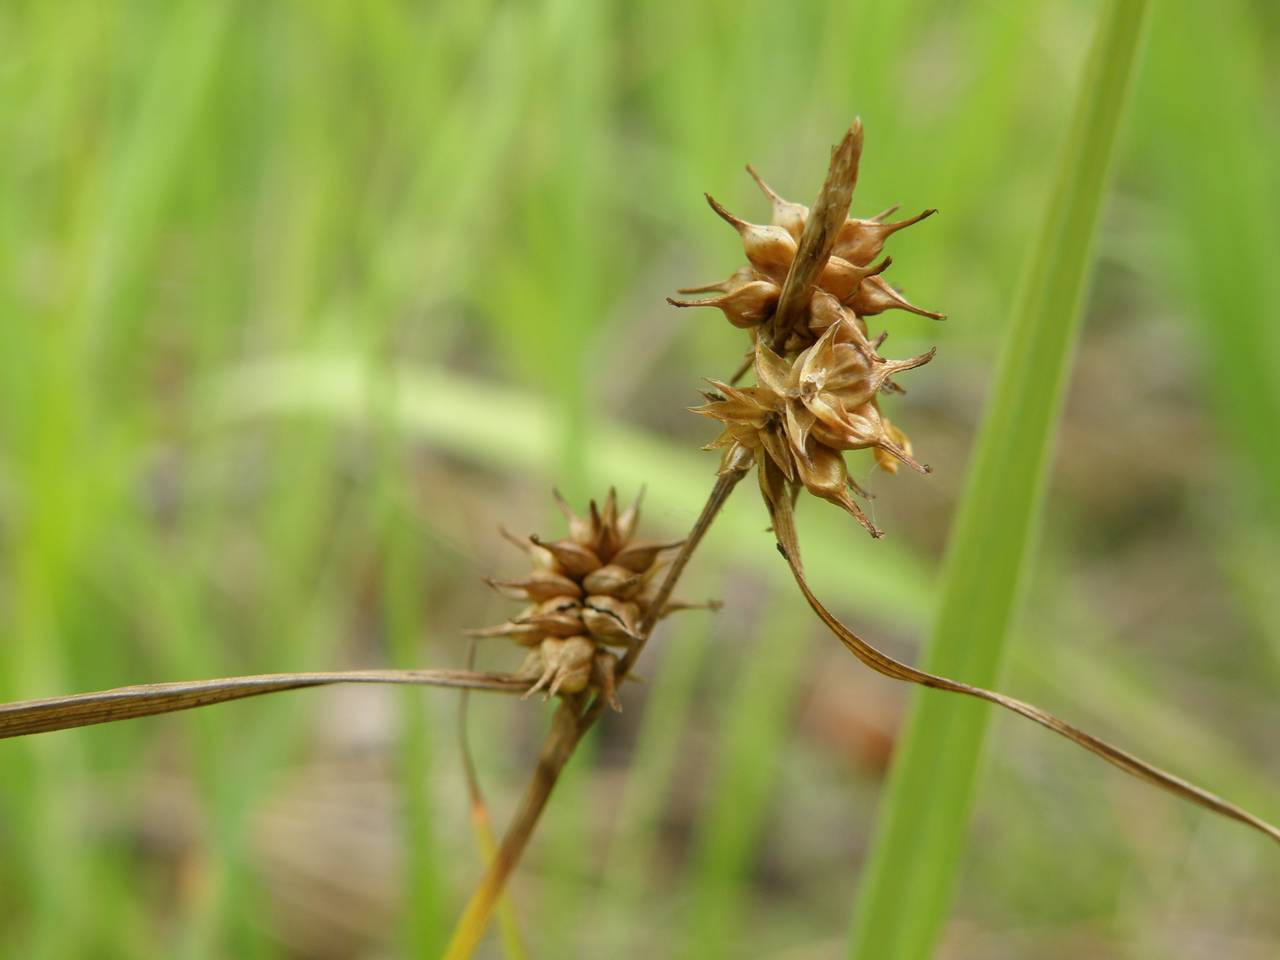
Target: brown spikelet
(804,298)
(588,591)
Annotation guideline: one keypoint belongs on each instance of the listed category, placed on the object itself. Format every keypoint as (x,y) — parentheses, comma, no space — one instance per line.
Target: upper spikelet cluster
(818,372)
(586,593)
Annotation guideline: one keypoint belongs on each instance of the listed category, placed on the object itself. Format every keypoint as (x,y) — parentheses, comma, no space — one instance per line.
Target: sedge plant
(814,278)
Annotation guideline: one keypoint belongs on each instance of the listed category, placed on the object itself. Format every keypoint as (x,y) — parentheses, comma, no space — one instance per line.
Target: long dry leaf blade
(886,665)
(125,703)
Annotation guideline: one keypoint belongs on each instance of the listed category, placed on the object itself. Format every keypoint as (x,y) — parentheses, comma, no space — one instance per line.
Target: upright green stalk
(907,883)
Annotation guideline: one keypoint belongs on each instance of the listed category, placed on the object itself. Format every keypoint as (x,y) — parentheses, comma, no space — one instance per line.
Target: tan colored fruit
(587,591)
(818,371)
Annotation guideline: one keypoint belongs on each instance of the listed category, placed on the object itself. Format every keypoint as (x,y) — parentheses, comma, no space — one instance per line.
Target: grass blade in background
(906,886)
(754,731)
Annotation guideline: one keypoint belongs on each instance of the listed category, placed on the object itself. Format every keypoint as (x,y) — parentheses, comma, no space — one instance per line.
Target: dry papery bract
(592,599)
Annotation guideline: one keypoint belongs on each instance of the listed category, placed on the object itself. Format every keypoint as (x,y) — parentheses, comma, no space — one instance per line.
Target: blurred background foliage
(301,300)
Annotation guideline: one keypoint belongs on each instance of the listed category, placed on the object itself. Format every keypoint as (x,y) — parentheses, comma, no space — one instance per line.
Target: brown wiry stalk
(573,718)
(145,700)
(788,545)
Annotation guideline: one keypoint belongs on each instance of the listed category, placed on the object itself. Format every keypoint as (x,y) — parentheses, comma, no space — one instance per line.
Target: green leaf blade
(907,884)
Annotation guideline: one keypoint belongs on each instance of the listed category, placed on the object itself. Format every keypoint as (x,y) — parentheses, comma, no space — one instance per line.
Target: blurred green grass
(301,299)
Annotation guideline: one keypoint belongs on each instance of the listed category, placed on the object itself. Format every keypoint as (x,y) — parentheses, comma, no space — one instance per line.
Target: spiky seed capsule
(588,591)
(818,381)
(876,296)
(769,247)
(613,580)
(745,306)
(843,279)
(803,413)
(860,241)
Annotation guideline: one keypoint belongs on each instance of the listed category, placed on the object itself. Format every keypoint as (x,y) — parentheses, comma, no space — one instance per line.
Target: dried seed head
(818,371)
(589,590)
(772,248)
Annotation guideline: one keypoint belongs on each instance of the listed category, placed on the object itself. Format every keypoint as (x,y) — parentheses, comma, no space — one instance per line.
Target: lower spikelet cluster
(587,593)
(818,373)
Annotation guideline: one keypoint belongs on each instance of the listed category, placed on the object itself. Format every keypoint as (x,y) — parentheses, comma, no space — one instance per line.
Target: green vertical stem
(907,883)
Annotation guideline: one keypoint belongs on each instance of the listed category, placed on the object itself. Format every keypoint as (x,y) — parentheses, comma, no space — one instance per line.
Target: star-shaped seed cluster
(819,375)
(587,595)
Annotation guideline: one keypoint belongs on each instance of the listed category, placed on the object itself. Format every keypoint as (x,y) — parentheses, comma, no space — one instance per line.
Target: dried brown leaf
(125,703)
(884,664)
